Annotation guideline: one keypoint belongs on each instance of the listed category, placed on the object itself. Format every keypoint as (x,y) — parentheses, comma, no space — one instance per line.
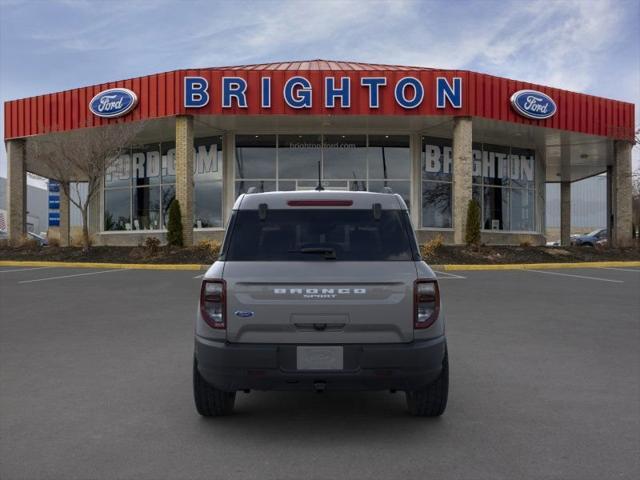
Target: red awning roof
(160,95)
(320,64)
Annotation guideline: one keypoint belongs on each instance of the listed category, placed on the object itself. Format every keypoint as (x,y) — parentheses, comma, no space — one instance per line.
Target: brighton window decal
(533,104)
(114,102)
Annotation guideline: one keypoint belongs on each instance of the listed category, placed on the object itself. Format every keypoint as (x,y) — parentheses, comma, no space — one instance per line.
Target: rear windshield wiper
(329,253)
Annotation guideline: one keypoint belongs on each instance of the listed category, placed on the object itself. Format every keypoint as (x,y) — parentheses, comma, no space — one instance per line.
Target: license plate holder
(320,358)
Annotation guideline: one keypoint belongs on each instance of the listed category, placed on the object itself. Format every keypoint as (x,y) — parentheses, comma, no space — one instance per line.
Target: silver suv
(320,290)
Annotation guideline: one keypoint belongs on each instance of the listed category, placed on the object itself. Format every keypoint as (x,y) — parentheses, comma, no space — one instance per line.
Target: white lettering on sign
(533,104)
(206,159)
(477,163)
(152,164)
(108,104)
(439,159)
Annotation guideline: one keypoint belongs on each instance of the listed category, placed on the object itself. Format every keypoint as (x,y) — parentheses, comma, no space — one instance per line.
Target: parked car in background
(602,243)
(557,243)
(591,238)
(42,240)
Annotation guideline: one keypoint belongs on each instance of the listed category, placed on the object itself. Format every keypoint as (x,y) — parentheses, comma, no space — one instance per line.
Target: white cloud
(284,28)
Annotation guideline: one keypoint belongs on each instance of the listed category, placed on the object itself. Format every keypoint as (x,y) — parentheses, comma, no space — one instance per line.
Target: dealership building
(439,138)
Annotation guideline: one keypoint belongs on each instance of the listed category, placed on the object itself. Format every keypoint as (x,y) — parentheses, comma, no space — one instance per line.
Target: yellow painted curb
(195,266)
(130,266)
(539,266)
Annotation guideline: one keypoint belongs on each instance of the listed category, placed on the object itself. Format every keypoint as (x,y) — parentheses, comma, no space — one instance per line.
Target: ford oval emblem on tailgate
(243,314)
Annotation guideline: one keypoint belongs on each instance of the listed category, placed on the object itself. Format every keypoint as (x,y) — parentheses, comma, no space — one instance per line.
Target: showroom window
(132,190)
(256,163)
(494,177)
(140,186)
(437,175)
(207,178)
(503,184)
(348,162)
(389,164)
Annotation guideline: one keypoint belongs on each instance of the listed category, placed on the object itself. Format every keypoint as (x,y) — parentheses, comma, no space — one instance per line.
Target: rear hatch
(320,276)
(313,302)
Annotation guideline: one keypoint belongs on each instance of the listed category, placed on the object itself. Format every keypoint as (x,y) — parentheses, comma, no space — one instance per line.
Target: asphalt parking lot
(95,383)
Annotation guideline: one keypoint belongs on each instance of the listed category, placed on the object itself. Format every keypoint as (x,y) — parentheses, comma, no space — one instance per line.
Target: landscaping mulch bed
(447,255)
(172,255)
(442,255)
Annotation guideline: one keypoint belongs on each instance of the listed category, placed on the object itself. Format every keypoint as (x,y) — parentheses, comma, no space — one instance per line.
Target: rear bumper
(405,366)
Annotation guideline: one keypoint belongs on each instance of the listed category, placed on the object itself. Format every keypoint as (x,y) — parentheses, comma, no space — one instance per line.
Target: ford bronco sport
(320,290)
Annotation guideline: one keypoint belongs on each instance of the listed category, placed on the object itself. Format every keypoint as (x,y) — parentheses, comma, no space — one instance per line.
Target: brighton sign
(408,92)
(533,104)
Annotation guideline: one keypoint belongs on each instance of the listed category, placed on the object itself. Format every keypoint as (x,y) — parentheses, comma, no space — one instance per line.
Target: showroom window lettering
(151,163)
(438,159)
(503,185)
(140,186)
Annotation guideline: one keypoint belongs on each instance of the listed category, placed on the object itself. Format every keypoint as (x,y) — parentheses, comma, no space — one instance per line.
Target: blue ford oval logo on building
(114,102)
(243,313)
(533,104)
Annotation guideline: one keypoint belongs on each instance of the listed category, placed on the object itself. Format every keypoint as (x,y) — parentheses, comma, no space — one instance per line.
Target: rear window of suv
(320,235)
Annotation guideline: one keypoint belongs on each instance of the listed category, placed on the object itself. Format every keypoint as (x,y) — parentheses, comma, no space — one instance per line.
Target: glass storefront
(140,186)
(503,184)
(347,162)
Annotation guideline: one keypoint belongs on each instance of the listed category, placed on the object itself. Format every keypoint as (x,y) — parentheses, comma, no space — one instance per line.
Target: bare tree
(82,156)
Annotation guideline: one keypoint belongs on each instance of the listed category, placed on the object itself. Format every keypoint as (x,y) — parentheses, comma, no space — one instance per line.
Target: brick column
(462,175)
(565,213)
(416,179)
(184,174)
(16,191)
(228,172)
(610,203)
(65,219)
(621,185)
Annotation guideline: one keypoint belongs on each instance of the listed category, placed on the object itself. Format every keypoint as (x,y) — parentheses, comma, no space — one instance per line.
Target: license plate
(319,358)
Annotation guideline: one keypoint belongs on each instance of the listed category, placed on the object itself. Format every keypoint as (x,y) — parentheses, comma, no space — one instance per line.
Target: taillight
(426,303)
(213,303)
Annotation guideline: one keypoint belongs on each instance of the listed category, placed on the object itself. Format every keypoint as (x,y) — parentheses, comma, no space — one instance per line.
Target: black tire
(431,401)
(210,402)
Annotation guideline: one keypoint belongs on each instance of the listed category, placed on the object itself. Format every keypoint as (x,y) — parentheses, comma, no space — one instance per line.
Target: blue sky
(582,45)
